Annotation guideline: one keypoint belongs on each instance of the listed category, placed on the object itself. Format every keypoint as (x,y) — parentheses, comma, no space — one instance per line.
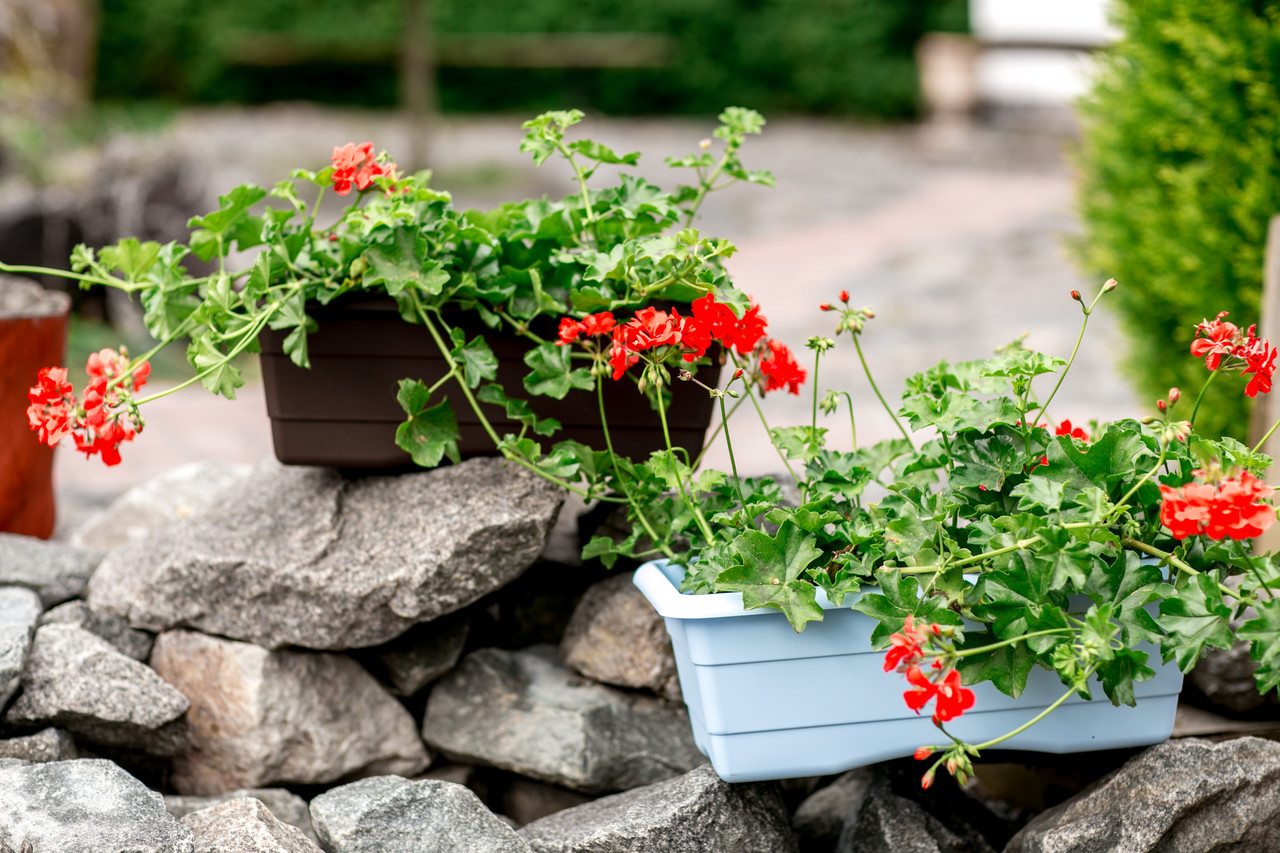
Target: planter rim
(659,581)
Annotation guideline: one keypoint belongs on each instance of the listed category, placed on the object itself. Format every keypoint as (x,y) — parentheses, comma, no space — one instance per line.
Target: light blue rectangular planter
(769,703)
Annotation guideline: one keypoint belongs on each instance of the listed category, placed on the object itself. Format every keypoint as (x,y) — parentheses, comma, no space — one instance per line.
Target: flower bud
(1109,286)
(868,313)
(685,375)
(926,781)
(1075,294)
(844,296)
(825,306)
(1160,404)
(1174,394)
(922,753)
(737,374)
(704,144)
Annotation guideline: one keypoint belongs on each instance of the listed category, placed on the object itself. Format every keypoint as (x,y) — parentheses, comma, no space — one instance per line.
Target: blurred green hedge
(826,56)
(1180,171)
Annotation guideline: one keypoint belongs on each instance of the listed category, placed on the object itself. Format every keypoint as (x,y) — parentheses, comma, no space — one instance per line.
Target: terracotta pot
(343,413)
(33,334)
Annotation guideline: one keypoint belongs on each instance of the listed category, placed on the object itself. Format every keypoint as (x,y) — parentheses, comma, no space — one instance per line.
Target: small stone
(693,813)
(523,711)
(420,655)
(161,500)
(1225,677)
(43,746)
(887,823)
(244,825)
(78,681)
(616,637)
(307,557)
(56,571)
(19,612)
(1188,794)
(260,717)
(287,806)
(84,806)
(113,629)
(387,814)
(819,819)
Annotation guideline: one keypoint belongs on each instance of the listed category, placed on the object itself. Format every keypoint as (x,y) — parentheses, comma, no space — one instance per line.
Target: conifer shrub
(1180,175)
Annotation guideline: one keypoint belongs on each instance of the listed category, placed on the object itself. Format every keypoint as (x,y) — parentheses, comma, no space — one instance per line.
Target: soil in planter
(33,334)
(343,413)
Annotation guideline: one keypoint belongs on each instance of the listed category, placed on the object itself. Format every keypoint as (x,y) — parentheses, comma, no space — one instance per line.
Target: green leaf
(770,572)
(553,374)
(132,258)
(802,443)
(404,264)
(1263,635)
(1006,667)
(986,462)
(1194,620)
(602,153)
(231,210)
(218,375)
(517,409)
(899,598)
(476,359)
(428,434)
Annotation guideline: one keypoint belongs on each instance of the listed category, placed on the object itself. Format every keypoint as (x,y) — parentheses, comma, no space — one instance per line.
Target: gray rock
(1225,677)
(420,655)
(162,500)
(19,611)
(113,629)
(287,806)
(1183,796)
(84,806)
(820,817)
(615,636)
(80,682)
(302,556)
(887,823)
(55,570)
(388,814)
(523,711)
(693,813)
(260,717)
(44,745)
(244,825)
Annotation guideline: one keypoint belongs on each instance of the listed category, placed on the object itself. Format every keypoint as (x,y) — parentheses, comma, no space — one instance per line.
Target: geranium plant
(514,266)
(988,539)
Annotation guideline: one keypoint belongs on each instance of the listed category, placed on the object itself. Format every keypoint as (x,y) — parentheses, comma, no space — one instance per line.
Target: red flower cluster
(105,421)
(1232,510)
(1224,342)
(1065,428)
(356,164)
(906,653)
(708,322)
(950,699)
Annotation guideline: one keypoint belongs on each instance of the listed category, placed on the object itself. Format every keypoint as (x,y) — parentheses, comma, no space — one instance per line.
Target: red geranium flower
(925,689)
(52,406)
(1233,510)
(906,648)
(951,700)
(356,164)
(1065,428)
(780,369)
(1219,340)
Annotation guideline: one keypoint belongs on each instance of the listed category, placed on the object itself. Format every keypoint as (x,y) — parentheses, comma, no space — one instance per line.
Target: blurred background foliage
(1179,177)
(847,57)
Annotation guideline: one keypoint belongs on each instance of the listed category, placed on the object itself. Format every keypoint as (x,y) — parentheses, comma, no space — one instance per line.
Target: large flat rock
(307,557)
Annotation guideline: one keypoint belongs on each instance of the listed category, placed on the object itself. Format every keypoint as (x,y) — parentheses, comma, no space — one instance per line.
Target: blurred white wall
(1036,52)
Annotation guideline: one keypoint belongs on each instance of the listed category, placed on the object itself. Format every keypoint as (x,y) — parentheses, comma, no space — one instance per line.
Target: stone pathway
(957,244)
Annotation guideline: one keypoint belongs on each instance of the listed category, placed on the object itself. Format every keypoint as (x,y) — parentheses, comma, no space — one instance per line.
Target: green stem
(1123,503)
(733,463)
(765,422)
(1062,374)
(658,541)
(705,186)
(1262,441)
(867,370)
(853,424)
(108,281)
(1213,374)
(1037,718)
(671,455)
(993,646)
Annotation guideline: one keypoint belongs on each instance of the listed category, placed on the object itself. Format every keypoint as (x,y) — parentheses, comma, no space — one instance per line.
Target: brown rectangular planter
(343,411)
